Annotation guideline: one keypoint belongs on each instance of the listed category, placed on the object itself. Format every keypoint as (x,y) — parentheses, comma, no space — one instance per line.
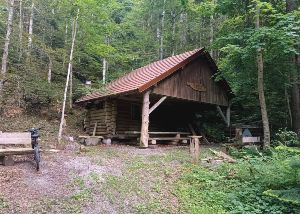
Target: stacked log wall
(104,117)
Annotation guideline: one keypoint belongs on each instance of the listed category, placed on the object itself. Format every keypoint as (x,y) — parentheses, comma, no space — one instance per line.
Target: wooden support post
(95,129)
(195,148)
(228,111)
(157,104)
(222,114)
(145,120)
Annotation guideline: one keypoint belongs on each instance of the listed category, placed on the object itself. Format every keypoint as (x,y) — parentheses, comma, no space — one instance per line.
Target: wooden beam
(145,121)
(157,104)
(228,110)
(222,114)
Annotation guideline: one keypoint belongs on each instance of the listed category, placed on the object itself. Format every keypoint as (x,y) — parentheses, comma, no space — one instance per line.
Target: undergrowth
(242,187)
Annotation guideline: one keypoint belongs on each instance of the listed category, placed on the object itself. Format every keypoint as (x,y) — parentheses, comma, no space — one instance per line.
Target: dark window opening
(136,112)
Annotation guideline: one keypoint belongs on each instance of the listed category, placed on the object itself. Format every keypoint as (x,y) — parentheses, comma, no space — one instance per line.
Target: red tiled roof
(143,78)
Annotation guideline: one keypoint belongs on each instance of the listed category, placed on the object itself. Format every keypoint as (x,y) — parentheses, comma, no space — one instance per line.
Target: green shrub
(287,138)
(241,187)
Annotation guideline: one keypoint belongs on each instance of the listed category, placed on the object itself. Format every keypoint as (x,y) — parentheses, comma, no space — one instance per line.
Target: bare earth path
(106,179)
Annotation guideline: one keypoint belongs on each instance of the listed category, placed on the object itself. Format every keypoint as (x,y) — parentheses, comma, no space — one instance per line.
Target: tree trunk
(68,77)
(162,24)
(260,84)
(65,44)
(20,29)
(173,32)
(50,70)
(30,31)
(288,106)
(292,5)
(183,37)
(104,71)
(71,88)
(211,36)
(6,43)
(145,121)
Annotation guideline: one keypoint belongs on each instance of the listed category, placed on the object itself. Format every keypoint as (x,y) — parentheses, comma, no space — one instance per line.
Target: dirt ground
(105,179)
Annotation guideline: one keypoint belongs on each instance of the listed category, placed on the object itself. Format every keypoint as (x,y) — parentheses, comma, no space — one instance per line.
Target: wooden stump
(8,160)
(195,148)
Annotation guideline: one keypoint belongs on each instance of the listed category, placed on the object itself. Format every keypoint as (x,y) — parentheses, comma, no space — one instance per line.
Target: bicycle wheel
(37,157)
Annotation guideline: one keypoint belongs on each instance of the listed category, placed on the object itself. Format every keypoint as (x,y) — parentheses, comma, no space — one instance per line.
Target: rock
(107,141)
(8,160)
(83,148)
(92,141)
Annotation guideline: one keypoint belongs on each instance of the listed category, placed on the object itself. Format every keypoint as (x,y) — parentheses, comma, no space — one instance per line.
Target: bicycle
(35,146)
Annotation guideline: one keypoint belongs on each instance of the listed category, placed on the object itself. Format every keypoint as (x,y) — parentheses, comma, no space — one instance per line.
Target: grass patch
(151,207)
(3,204)
(236,188)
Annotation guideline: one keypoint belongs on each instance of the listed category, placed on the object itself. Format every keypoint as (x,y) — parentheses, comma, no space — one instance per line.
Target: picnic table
(174,137)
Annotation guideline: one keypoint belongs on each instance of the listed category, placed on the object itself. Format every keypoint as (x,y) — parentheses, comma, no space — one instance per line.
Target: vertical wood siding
(197,72)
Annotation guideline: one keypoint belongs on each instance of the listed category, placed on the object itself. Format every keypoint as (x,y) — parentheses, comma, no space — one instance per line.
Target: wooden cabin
(161,97)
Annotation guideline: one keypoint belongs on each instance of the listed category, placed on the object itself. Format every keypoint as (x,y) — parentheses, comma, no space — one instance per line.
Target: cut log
(224,156)
(195,148)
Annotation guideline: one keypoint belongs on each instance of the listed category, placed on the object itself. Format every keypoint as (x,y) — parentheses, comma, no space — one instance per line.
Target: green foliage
(3,203)
(240,187)
(289,196)
(286,138)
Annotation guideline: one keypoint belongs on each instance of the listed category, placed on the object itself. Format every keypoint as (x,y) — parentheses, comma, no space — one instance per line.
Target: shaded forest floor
(126,179)
(105,179)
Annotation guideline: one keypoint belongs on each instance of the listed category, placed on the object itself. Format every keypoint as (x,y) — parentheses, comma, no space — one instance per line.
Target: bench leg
(8,160)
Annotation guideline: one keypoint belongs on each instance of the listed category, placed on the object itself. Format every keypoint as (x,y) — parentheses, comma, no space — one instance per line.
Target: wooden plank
(169,138)
(7,141)
(15,135)
(16,151)
(158,133)
(251,139)
(157,104)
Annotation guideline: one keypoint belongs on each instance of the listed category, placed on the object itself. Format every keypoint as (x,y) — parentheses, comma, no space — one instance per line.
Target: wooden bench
(8,139)
(174,137)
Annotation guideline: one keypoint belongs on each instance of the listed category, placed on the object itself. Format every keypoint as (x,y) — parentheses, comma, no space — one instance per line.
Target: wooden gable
(195,83)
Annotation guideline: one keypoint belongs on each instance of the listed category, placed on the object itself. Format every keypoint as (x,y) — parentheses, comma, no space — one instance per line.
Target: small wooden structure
(14,138)
(161,97)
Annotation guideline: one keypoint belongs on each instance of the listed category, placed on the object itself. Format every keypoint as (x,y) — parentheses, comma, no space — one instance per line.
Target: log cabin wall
(194,83)
(104,113)
(127,120)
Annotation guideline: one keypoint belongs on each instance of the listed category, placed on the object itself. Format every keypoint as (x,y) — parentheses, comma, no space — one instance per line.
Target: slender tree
(260,84)
(6,43)
(30,30)
(162,28)
(68,78)
(20,29)
(292,5)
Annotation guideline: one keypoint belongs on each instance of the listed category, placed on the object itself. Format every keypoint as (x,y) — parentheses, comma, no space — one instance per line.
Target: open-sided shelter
(160,97)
